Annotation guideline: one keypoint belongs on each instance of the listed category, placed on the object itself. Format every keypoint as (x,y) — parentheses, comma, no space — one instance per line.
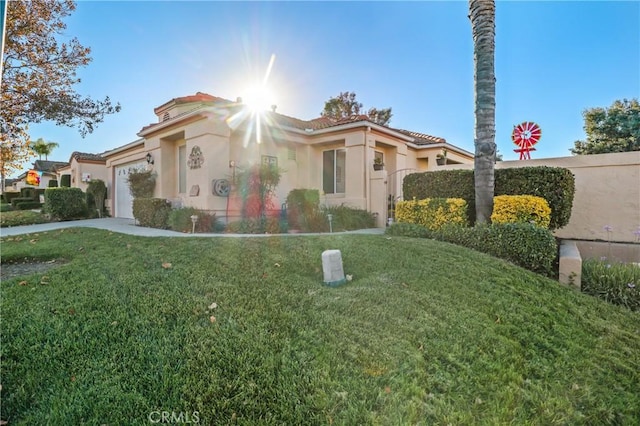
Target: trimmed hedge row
(524,244)
(65,203)
(554,184)
(521,209)
(433,213)
(180,220)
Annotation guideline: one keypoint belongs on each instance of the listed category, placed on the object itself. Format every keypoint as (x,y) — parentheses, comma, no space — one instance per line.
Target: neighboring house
(200,142)
(83,167)
(45,169)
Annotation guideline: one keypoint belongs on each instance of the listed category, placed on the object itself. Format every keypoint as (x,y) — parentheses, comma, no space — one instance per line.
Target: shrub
(98,191)
(65,181)
(152,212)
(5,207)
(433,213)
(141,183)
(521,209)
(268,225)
(53,183)
(8,196)
(180,220)
(616,283)
(404,229)
(524,244)
(18,200)
(348,218)
(20,218)
(29,205)
(300,203)
(65,203)
(554,184)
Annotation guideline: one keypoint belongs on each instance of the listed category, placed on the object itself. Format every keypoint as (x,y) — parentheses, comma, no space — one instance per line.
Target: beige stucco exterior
(82,172)
(607,193)
(226,148)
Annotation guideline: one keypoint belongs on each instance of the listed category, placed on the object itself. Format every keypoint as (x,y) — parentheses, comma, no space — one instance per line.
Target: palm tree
(41,148)
(482,14)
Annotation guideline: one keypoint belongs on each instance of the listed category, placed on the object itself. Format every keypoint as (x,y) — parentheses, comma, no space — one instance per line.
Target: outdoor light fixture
(149,158)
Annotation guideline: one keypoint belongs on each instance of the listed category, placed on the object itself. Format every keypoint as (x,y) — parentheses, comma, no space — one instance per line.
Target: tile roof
(48,166)
(198,97)
(318,123)
(85,156)
(422,138)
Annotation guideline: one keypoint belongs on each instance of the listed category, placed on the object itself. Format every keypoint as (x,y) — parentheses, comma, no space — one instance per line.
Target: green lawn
(21,217)
(426,333)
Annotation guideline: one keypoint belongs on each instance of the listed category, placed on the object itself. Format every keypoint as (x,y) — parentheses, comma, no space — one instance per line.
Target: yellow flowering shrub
(433,213)
(521,209)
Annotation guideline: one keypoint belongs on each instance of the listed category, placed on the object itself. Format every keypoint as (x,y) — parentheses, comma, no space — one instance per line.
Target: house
(200,142)
(44,170)
(83,167)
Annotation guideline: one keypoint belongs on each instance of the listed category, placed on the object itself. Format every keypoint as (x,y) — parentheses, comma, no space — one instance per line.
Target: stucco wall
(607,193)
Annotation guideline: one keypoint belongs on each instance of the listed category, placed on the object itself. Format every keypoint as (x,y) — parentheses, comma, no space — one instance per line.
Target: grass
(21,217)
(426,333)
(617,283)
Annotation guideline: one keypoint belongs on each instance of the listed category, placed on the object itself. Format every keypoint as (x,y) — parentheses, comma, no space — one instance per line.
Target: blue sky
(553,60)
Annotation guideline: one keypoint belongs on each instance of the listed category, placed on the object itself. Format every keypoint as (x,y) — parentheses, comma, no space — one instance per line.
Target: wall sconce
(149,158)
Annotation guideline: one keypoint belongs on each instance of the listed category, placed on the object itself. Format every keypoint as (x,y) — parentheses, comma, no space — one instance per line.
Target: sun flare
(259,98)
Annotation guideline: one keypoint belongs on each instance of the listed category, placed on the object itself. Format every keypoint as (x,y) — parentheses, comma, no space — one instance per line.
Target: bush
(554,184)
(524,244)
(20,218)
(141,183)
(8,196)
(65,203)
(53,183)
(433,213)
(18,200)
(5,207)
(408,230)
(29,205)
(268,225)
(521,209)
(180,220)
(616,283)
(152,212)
(97,191)
(348,218)
(65,181)
(301,203)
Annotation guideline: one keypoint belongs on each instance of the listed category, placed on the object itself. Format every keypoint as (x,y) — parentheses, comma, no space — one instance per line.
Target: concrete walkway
(128,226)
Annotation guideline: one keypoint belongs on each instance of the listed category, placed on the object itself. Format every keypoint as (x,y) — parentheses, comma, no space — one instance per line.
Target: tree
(41,148)
(12,155)
(345,105)
(482,14)
(39,74)
(613,129)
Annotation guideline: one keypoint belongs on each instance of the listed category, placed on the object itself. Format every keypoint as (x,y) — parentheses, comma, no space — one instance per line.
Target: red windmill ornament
(526,135)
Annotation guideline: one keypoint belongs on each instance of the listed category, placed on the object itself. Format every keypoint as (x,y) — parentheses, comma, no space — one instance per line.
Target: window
(333,171)
(182,169)
(269,160)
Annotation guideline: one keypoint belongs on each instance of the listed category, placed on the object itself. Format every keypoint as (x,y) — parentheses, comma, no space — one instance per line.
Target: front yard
(243,331)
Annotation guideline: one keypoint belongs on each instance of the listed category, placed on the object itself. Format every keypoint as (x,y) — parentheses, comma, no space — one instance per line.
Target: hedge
(521,209)
(300,204)
(180,220)
(524,244)
(29,205)
(8,196)
(152,212)
(65,203)
(19,200)
(554,184)
(433,213)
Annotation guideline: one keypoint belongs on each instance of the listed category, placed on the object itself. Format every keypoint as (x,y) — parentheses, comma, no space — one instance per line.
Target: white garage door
(124,200)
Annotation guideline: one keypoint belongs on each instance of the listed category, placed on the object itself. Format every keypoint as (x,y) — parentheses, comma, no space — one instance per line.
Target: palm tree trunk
(482,15)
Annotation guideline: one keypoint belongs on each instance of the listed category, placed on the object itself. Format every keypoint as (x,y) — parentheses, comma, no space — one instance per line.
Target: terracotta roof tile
(85,156)
(198,97)
(422,138)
